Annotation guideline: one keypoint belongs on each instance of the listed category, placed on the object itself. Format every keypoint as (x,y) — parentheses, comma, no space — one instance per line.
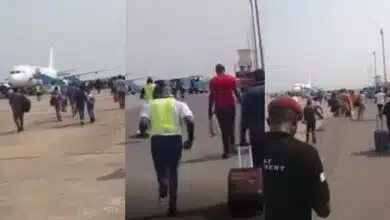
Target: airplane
(299,88)
(27,76)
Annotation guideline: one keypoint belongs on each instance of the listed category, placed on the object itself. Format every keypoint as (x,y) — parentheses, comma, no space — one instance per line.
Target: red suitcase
(245,186)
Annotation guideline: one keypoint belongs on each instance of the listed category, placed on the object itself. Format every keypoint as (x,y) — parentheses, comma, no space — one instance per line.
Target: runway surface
(358,177)
(60,170)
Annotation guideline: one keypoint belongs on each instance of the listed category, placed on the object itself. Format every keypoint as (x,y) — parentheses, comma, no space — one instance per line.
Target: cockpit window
(17,71)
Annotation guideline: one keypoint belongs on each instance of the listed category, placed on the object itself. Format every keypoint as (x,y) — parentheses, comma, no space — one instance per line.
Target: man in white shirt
(362,101)
(163,116)
(380,100)
(121,90)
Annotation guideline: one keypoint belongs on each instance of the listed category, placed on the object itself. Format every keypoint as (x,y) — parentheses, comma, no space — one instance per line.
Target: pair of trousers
(80,109)
(91,112)
(18,119)
(121,99)
(226,117)
(166,154)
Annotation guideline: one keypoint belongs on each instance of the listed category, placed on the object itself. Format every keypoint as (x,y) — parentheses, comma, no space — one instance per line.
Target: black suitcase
(245,187)
(381,137)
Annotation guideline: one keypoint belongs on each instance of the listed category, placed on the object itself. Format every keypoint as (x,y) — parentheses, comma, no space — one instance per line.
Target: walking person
(380,100)
(253,111)
(121,91)
(147,90)
(294,179)
(147,95)
(90,106)
(223,89)
(70,96)
(38,92)
(163,115)
(309,117)
(56,102)
(361,103)
(16,101)
(80,100)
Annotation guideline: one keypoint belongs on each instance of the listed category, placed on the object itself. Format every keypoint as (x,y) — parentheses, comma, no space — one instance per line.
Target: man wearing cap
(222,102)
(294,178)
(163,116)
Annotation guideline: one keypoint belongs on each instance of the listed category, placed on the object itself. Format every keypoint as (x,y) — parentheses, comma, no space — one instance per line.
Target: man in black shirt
(294,179)
(309,117)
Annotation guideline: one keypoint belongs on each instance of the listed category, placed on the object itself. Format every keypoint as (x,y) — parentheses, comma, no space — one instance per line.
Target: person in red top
(222,102)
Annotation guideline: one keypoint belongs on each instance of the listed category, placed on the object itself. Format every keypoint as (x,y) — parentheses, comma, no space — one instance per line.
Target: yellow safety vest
(162,117)
(148,89)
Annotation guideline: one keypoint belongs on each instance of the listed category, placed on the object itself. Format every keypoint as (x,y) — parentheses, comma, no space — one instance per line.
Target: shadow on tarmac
(371,153)
(202,159)
(213,212)
(5,133)
(117,174)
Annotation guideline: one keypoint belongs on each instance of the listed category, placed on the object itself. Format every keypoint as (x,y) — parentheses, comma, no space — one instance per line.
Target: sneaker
(163,192)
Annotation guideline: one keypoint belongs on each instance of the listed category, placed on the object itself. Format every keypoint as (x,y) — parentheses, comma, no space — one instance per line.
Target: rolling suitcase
(381,137)
(245,186)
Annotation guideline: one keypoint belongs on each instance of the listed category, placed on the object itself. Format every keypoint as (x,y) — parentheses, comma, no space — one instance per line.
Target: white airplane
(301,87)
(27,76)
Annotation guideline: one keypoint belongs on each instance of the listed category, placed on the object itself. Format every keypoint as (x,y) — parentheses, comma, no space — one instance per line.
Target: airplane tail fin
(51,59)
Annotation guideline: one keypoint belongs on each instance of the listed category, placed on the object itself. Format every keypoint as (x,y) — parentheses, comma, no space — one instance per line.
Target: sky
(331,41)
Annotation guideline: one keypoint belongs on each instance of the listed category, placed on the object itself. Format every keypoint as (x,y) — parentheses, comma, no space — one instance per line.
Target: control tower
(244,62)
(244,73)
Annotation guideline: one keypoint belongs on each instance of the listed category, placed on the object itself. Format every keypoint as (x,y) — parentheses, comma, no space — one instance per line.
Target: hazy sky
(330,40)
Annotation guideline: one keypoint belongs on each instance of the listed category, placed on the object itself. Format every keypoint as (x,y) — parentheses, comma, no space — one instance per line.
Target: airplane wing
(67,74)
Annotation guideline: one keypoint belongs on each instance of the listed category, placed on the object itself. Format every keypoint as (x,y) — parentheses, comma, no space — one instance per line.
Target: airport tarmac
(357,176)
(65,171)
(203,174)
(61,170)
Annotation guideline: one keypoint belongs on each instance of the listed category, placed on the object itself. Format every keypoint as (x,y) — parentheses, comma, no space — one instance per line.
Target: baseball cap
(287,103)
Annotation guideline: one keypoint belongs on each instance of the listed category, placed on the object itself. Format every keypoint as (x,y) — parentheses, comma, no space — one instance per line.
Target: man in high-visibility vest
(147,90)
(163,116)
(147,95)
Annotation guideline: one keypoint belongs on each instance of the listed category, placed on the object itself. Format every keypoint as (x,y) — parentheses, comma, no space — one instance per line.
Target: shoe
(172,211)
(82,123)
(163,192)
(225,155)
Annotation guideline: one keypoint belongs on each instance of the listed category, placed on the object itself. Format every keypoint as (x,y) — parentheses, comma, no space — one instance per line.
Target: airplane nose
(14,78)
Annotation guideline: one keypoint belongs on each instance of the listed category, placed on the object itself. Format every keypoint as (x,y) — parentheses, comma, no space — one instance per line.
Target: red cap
(288,103)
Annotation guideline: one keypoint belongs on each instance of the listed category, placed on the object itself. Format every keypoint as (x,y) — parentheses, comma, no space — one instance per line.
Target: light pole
(254,33)
(259,34)
(374,57)
(383,56)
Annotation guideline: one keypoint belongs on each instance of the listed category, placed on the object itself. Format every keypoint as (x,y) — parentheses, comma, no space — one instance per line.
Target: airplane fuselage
(26,76)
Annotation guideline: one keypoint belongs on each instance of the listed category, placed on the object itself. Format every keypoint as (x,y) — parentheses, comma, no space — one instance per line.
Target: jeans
(166,153)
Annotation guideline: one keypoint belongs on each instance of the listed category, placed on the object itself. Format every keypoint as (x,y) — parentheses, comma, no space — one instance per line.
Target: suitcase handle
(379,118)
(240,151)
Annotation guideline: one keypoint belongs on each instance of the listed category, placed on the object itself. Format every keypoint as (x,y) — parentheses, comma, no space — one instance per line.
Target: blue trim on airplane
(47,80)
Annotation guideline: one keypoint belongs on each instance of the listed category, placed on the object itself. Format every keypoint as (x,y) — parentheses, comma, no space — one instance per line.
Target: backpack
(357,102)
(26,104)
